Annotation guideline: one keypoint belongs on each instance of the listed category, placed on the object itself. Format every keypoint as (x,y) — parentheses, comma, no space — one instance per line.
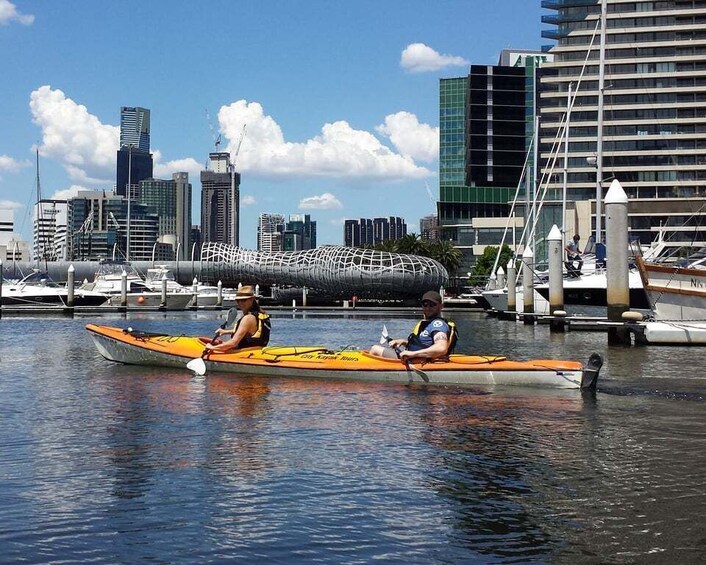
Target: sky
(336,102)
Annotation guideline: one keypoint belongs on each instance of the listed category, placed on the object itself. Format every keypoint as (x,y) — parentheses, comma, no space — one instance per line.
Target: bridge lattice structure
(333,270)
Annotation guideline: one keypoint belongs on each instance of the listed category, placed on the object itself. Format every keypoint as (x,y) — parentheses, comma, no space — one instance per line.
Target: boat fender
(589,376)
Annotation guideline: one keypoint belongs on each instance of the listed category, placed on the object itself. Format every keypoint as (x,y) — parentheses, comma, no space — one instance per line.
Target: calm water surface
(107,463)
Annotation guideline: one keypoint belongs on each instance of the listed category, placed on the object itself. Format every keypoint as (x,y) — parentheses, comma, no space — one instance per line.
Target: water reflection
(130,463)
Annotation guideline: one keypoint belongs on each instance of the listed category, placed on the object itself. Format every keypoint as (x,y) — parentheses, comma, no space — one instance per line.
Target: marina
(152,463)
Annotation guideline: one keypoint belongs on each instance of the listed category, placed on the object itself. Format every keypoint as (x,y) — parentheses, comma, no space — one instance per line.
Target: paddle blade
(384,336)
(198,366)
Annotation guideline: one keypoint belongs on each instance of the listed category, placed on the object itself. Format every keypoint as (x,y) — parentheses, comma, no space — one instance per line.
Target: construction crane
(240,142)
(216,136)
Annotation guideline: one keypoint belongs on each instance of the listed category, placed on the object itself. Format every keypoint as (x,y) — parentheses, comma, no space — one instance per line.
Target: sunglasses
(426,303)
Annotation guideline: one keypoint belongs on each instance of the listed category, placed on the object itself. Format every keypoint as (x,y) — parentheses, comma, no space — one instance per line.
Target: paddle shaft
(407,363)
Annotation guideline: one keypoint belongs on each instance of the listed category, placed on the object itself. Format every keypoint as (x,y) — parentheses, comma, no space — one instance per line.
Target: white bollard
(617,269)
(195,292)
(163,303)
(556,275)
(528,281)
(70,286)
(123,289)
(511,286)
(219,299)
(501,277)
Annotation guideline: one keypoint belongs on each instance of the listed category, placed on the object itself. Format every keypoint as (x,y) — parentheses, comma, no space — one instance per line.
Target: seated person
(573,253)
(252,329)
(432,337)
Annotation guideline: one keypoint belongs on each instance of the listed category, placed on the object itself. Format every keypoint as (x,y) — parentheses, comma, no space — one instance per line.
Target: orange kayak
(140,348)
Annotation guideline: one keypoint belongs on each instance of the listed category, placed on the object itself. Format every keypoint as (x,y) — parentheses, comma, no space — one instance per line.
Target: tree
(484,264)
(412,244)
(446,253)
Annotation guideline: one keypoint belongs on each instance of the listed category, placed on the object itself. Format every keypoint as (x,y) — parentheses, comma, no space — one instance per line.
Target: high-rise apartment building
(220,201)
(49,230)
(429,228)
(299,233)
(171,200)
(270,228)
(371,231)
(654,108)
(134,160)
(97,224)
(12,248)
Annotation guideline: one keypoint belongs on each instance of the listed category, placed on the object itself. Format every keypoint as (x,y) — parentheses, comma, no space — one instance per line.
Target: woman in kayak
(252,329)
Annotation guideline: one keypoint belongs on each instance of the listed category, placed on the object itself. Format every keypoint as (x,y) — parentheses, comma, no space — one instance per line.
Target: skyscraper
(299,233)
(220,201)
(654,106)
(270,228)
(134,161)
(171,200)
(371,231)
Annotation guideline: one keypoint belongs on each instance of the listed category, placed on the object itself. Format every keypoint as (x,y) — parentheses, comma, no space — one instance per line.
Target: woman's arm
(247,326)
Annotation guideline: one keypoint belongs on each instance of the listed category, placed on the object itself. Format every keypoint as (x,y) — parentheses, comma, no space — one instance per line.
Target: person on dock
(252,329)
(431,338)
(573,253)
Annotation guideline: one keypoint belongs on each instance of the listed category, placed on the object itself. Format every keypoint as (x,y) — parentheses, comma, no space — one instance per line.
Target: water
(107,463)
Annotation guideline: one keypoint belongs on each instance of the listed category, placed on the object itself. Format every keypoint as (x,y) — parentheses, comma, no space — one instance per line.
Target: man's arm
(437,349)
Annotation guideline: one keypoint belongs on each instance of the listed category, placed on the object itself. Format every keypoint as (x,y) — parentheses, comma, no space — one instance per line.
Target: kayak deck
(135,347)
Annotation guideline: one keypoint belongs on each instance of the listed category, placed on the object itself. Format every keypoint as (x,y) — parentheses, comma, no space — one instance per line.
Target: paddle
(385,338)
(198,365)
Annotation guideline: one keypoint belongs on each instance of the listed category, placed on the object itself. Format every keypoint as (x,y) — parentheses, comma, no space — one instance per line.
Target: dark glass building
(134,161)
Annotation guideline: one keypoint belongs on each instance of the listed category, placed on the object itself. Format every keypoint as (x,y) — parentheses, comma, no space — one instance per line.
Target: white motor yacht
(38,288)
(206,295)
(109,279)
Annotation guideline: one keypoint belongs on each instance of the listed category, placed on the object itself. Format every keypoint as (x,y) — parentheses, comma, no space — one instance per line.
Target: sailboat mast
(41,251)
(599,129)
(566,160)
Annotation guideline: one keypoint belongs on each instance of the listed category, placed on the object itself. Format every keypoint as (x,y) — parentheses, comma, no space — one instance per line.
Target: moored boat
(109,279)
(39,289)
(140,348)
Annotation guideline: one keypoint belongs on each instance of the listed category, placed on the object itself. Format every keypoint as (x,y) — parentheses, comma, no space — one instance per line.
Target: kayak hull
(138,348)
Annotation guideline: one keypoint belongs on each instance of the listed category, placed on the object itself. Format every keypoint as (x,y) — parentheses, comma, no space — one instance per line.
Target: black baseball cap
(433,296)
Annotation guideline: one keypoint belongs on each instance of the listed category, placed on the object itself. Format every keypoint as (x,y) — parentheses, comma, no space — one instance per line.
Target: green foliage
(484,264)
(411,244)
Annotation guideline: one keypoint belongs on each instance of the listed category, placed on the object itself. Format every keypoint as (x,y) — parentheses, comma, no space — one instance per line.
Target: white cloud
(420,58)
(166,170)
(9,13)
(326,201)
(411,138)
(247,200)
(87,148)
(70,192)
(10,205)
(338,152)
(70,135)
(11,165)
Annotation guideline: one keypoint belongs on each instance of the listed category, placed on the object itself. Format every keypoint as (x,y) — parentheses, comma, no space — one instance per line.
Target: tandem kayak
(141,348)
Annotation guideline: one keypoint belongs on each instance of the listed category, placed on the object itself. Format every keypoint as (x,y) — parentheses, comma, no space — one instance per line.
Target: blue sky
(339,98)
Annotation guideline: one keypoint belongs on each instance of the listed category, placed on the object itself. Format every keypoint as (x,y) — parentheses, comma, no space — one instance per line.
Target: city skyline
(340,103)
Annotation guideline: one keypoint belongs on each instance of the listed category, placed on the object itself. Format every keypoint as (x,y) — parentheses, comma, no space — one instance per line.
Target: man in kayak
(432,337)
(252,329)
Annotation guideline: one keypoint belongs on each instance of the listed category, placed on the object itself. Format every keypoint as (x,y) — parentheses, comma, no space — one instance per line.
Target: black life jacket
(261,337)
(414,340)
